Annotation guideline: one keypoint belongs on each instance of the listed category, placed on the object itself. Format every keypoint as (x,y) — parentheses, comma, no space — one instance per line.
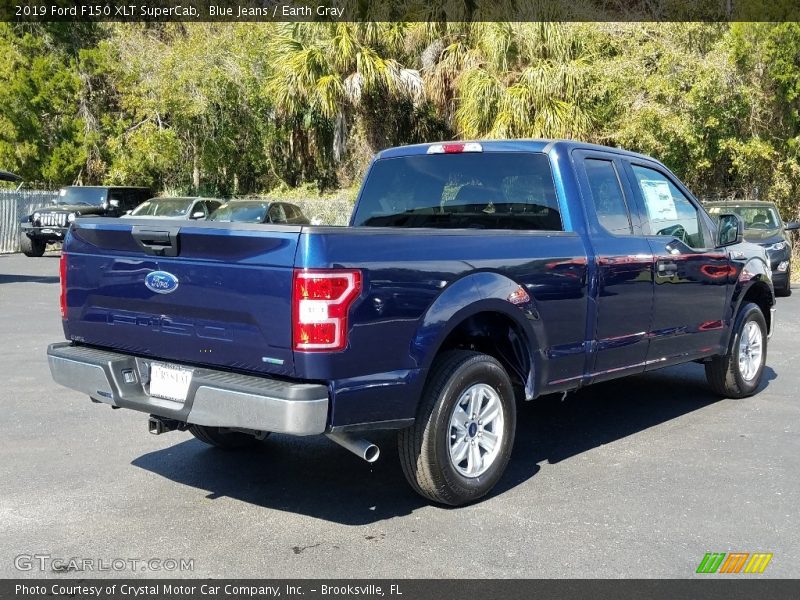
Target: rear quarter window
(492,190)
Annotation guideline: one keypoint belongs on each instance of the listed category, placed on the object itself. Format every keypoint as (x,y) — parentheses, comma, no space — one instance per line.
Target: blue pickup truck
(473,275)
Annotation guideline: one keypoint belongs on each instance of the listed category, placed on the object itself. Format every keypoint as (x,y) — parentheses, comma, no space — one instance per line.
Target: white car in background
(194,208)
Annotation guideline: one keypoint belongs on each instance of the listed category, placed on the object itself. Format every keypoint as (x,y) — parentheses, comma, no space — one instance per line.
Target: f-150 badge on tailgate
(161,282)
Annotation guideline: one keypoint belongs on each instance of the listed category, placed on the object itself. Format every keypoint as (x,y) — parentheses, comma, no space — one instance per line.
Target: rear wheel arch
(490,329)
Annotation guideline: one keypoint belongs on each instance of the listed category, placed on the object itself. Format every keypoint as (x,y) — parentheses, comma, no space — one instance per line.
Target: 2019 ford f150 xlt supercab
(472,276)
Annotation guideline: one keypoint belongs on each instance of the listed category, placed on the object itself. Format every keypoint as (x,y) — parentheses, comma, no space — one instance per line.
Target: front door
(691,275)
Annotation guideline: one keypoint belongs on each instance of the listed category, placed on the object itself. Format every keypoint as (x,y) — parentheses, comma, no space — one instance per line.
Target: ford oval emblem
(161,282)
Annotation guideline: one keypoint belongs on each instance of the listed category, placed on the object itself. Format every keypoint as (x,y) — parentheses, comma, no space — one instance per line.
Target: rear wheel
(31,247)
(738,373)
(461,441)
(223,438)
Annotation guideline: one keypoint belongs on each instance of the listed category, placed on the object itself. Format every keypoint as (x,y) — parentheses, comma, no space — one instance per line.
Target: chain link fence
(15,205)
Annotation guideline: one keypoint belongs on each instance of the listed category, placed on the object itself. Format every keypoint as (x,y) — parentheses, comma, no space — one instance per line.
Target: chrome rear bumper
(215,398)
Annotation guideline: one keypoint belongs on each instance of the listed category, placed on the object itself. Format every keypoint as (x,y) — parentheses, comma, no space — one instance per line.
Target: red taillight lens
(321,300)
(453,148)
(62,272)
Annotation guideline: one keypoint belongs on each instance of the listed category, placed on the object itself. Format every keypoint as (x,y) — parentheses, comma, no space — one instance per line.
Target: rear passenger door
(691,275)
(624,260)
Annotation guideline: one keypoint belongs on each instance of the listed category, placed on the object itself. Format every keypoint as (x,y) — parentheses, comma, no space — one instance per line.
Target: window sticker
(659,201)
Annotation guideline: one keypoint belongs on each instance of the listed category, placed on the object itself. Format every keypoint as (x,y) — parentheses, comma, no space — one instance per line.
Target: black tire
(220,438)
(723,372)
(424,447)
(31,247)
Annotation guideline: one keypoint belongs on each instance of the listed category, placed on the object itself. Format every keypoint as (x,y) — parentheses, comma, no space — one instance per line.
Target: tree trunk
(195,170)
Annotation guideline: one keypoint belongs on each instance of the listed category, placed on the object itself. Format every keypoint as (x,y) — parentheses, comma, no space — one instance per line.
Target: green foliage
(522,80)
(243,108)
(41,133)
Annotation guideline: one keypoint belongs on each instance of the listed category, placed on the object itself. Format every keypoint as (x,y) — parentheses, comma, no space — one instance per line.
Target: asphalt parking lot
(634,478)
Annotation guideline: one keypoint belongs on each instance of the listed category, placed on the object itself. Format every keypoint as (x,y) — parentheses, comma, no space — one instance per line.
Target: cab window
(211,206)
(116,199)
(668,211)
(609,201)
(292,212)
(493,190)
(276,214)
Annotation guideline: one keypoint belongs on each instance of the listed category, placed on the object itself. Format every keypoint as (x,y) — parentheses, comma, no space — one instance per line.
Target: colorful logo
(734,562)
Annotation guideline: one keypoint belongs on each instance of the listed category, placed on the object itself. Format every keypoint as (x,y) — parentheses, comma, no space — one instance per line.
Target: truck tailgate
(225,298)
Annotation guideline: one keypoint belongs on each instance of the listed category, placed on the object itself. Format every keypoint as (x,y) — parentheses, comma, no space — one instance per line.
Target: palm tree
(509,79)
(324,72)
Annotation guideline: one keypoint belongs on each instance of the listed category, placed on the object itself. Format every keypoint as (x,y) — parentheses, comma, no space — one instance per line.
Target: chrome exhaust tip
(358,446)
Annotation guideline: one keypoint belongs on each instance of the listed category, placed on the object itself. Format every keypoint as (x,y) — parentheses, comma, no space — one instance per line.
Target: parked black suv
(50,224)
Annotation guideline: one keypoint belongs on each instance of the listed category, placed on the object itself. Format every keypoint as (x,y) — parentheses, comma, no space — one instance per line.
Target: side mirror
(792,225)
(114,203)
(730,230)
(198,214)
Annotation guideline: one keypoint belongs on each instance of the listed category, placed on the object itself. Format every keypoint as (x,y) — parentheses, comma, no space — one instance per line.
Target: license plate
(46,230)
(169,381)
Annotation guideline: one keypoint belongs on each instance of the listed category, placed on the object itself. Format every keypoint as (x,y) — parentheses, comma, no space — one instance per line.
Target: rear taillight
(321,300)
(62,272)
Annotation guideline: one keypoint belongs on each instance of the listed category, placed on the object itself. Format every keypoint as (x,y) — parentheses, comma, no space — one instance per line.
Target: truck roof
(522,145)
